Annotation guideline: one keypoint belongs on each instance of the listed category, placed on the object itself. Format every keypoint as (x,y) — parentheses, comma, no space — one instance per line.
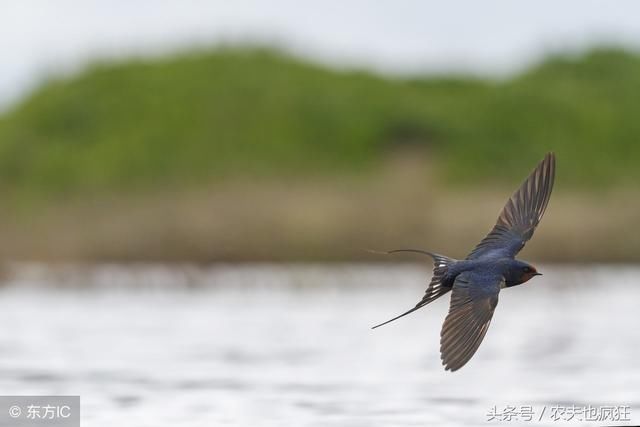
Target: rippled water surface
(292,345)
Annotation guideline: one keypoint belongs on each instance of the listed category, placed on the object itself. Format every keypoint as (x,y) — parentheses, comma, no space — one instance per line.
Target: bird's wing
(473,300)
(521,215)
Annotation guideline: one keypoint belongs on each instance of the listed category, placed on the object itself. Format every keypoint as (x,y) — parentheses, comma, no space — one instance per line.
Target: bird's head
(528,271)
(521,272)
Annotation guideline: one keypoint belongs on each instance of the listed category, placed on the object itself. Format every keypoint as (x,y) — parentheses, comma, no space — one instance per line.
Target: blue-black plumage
(476,281)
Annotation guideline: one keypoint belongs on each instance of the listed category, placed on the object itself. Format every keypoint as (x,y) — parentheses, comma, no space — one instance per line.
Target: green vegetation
(207,116)
(248,154)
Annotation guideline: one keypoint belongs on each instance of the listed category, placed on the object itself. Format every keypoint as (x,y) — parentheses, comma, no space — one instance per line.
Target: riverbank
(245,154)
(315,220)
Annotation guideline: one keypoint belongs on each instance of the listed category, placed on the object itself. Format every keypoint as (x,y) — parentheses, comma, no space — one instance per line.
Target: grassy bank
(311,221)
(211,115)
(247,154)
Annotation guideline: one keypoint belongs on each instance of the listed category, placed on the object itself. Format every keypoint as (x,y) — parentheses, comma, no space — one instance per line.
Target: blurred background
(190,191)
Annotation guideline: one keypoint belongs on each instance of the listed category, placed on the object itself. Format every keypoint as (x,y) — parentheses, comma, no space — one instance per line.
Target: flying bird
(476,281)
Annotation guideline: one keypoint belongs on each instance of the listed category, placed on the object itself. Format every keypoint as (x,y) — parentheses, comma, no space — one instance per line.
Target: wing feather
(521,214)
(473,301)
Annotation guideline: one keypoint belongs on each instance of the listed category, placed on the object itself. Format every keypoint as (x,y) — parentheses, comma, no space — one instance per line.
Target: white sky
(43,37)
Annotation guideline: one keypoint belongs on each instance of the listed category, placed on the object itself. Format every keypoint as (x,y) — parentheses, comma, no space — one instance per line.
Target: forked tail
(435,289)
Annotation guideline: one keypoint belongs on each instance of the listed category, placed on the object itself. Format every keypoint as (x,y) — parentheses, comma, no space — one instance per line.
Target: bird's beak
(537,274)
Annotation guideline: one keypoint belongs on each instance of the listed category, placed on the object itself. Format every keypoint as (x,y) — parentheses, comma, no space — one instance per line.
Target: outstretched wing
(473,301)
(521,215)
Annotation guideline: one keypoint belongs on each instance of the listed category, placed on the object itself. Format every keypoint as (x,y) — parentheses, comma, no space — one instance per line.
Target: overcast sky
(43,37)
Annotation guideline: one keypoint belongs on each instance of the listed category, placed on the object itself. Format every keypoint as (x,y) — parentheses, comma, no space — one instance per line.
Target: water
(292,346)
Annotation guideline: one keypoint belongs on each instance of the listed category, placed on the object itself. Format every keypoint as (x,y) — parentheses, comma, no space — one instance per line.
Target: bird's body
(476,281)
(509,268)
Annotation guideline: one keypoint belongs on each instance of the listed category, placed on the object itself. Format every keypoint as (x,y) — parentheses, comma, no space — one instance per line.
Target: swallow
(476,281)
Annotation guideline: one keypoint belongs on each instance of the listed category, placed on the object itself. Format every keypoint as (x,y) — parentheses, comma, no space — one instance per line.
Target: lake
(279,345)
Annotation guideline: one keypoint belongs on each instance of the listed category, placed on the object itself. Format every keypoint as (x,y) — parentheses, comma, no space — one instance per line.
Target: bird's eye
(527,270)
